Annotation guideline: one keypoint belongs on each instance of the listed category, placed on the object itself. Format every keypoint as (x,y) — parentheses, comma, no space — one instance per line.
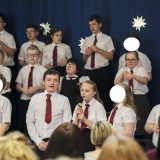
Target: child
(32,33)
(6,72)
(124,120)
(97,51)
(29,82)
(137,78)
(47,111)
(70,83)
(89,113)
(143,59)
(5,110)
(151,125)
(55,55)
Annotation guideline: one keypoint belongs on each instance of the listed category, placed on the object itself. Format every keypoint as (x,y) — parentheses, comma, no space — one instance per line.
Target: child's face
(71,68)
(1,59)
(31,33)
(33,56)
(51,83)
(57,37)
(94,26)
(87,92)
(131,60)
(2,24)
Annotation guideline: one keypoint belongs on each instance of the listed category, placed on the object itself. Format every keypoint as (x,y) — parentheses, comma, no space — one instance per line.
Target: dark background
(72,16)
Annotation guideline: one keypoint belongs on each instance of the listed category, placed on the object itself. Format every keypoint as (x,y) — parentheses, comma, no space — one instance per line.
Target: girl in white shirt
(125,118)
(96,112)
(139,78)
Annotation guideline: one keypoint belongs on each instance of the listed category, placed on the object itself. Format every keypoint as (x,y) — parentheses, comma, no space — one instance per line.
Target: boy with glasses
(29,82)
(32,32)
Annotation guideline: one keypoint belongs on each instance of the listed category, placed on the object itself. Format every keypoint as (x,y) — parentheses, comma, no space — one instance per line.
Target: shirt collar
(56,44)
(74,77)
(33,42)
(98,35)
(91,102)
(35,66)
(53,94)
(120,105)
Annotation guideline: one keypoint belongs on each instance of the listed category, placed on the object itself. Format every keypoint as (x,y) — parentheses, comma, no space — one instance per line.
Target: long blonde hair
(15,146)
(96,96)
(128,100)
(122,148)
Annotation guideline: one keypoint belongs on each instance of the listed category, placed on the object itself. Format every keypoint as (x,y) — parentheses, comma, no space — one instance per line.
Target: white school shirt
(105,43)
(96,112)
(63,53)
(153,119)
(5,110)
(38,129)
(81,79)
(123,115)
(8,39)
(6,72)
(143,61)
(23,51)
(137,87)
(23,74)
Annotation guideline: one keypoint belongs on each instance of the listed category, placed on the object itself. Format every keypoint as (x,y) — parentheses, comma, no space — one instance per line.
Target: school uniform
(153,119)
(96,112)
(9,40)
(143,61)
(38,129)
(5,110)
(37,80)
(123,115)
(6,72)
(141,102)
(100,74)
(23,51)
(70,89)
(63,53)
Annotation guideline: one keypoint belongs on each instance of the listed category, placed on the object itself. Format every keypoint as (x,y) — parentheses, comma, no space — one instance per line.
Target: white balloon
(117,94)
(131,44)
(1,85)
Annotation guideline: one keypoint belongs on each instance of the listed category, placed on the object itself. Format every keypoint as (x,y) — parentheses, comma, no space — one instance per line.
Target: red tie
(83,125)
(130,82)
(113,114)
(30,77)
(55,57)
(93,54)
(48,109)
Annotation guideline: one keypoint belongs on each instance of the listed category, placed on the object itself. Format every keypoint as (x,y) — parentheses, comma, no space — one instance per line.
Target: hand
(124,73)
(48,66)
(79,111)
(62,63)
(42,146)
(26,92)
(79,84)
(22,63)
(88,51)
(32,89)
(155,128)
(94,48)
(129,76)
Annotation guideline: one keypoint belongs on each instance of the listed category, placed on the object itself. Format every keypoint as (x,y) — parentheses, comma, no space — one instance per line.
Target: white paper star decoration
(46,28)
(138,23)
(81,42)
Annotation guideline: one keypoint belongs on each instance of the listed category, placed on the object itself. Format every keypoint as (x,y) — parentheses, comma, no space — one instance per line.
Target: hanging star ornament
(46,28)
(138,23)
(81,42)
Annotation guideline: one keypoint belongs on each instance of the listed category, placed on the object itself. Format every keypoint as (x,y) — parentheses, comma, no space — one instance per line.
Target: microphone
(79,101)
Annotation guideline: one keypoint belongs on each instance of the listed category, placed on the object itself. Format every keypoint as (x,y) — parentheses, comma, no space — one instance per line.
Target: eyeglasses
(72,65)
(131,60)
(32,55)
(30,32)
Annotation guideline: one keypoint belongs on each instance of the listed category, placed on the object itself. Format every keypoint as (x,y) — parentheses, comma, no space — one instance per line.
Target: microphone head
(79,101)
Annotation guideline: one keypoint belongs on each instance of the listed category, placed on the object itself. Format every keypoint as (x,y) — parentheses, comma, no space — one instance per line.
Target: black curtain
(72,17)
